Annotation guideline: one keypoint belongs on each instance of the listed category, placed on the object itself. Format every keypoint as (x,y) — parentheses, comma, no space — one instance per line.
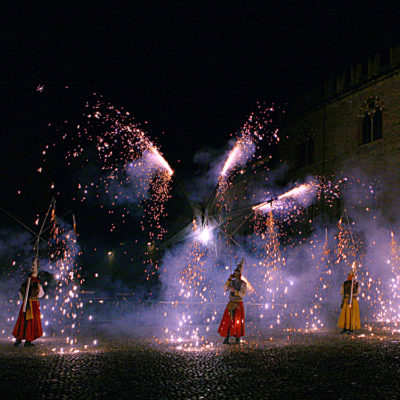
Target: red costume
(29,324)
(232,323)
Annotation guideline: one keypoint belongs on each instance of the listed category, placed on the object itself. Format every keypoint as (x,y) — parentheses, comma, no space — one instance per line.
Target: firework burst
(120,167)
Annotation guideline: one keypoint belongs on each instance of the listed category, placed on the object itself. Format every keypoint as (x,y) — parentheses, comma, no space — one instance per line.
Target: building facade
(349,129)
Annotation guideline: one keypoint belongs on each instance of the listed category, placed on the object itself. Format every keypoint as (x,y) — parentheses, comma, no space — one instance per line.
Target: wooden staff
(28,284)
(25,226)
(36,247)
(352,286)
(354,270)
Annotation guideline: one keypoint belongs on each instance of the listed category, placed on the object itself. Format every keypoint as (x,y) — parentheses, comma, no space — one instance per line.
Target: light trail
(259,125)
(299,192)
(160,160)
(232,158)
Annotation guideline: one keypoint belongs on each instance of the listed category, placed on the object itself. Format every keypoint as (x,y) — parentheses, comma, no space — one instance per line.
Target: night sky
(193,70)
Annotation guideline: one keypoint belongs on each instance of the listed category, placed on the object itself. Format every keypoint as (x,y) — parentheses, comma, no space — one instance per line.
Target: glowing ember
(232,158)
(130,170)
(298,191)
(301,193)
(205,234)
(259,124)
(160,160)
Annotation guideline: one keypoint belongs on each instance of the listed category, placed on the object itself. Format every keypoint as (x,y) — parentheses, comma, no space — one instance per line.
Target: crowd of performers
(232,323)
(29,327)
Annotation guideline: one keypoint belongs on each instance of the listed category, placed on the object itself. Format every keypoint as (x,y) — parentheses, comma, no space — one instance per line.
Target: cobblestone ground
(303,367)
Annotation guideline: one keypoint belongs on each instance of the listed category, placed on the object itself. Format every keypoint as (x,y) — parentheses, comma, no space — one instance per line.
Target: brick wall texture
(335,127)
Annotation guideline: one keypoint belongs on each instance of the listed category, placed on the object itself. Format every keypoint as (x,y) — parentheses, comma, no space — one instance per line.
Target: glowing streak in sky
(302,190)
(160,160)
(298,191)
(232,159)
(250,287)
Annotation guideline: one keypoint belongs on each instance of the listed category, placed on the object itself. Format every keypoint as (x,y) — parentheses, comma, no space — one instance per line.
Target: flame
(295,192)
(161,160)
(250,287)
(205,235)
(232,158)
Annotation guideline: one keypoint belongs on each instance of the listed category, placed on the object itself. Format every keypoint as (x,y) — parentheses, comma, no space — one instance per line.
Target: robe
(232,322)
(350,315)
(29,325)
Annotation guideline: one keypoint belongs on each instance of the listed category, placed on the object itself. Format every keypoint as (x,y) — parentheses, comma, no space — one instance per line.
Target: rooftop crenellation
(356,76)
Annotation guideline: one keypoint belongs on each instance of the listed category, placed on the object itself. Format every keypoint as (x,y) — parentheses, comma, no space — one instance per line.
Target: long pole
(351,297)
(41,228)
(348,223)
(351,291)
(50,226)
(22,224)
(28,284)
(355,269)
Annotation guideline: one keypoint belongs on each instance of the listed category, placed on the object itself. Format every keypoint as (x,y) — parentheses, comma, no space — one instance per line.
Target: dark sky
(194,70)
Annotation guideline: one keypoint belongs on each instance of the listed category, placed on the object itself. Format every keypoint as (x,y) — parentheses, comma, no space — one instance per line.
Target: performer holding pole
(29,325)
(232,323)
(349,318)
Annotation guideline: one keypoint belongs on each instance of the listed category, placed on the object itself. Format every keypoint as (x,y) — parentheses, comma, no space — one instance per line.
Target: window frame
(371,130)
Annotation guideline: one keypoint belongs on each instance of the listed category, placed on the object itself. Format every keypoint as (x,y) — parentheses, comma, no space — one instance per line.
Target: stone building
(351,126)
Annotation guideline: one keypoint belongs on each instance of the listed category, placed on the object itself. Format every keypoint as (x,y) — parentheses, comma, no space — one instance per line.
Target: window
(377,125)
(371,124)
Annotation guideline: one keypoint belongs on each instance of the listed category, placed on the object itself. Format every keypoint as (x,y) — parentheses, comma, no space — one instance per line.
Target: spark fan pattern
(258,126)
(389,312)
(120,167)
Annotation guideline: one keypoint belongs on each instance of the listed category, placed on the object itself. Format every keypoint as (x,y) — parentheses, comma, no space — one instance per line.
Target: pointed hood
(239,267)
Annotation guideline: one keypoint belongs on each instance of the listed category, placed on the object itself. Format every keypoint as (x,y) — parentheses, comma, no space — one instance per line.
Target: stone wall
(335,127)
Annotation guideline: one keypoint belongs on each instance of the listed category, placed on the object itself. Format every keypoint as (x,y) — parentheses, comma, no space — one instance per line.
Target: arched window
(371,120)
(366,129)
(377,125)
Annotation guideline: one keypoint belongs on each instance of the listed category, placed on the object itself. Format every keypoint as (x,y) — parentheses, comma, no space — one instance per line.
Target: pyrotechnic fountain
(302,194)
(133,170)
(63,310)
(388,293)
(314,319)
(394,295)
(273,289)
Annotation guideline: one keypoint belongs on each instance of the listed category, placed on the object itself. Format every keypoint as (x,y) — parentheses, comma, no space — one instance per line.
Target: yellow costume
(349,318)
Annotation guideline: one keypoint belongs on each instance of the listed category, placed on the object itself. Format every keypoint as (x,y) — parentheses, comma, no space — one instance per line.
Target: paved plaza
(313,366)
